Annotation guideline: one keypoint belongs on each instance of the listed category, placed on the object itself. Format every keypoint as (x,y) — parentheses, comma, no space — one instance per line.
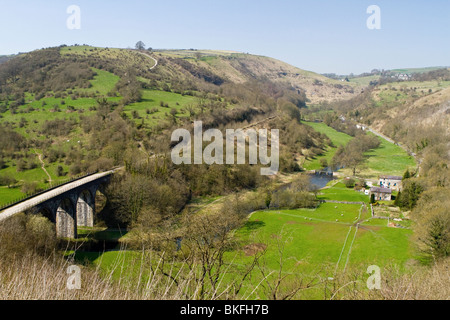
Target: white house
(392,182)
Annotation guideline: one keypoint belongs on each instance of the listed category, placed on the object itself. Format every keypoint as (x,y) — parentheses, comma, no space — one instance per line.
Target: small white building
(361,127)
(392,182)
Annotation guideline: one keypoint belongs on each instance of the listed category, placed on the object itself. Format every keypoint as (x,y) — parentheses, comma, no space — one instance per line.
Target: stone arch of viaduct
(73,208)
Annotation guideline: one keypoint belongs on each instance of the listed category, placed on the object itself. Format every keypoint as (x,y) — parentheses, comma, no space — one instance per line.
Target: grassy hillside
(416,103)
(388,158)
(365,81)
(29,119)
(150,111)
(338,138)
(58,116)
(240,67)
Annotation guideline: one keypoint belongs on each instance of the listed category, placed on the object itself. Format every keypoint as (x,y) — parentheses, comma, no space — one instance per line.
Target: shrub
(23,233)
(59,171)
(7,180)
(29,187)
(349,183)
(323,162)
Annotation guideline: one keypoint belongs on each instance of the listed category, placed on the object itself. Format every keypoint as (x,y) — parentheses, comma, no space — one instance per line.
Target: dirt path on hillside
(148,56)
(43,168)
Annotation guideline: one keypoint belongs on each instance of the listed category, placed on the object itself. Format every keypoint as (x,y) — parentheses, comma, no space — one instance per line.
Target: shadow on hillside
(253,225)
(110,234)
(86,257)
(95,243)
(147,100)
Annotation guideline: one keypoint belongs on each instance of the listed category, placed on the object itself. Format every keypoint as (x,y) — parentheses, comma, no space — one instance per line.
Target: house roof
(380,190)
(391,177)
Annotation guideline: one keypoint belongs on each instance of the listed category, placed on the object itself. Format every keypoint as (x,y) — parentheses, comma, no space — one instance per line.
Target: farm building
(392,182)
(380,193)
(361,127)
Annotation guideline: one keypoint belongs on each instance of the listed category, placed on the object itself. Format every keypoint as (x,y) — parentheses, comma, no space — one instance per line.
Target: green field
(340,192)
(320,246)
(364,81)
(151,99)
(34,175)
(417,70)
(323,242)
(338,138)
(36,112)
(8,195)
(327,238)
(394,93)
(103,82)
(389,159)
(324,239)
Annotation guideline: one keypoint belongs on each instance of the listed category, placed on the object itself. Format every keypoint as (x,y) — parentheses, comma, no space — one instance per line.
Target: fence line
(344,202)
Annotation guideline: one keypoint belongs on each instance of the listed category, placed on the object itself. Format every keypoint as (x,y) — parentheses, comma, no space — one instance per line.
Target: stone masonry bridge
(68,206)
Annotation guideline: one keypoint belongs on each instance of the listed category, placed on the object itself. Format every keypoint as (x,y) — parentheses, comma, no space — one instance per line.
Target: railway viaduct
(68,206)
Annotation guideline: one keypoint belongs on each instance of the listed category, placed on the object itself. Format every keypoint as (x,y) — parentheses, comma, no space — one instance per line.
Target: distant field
(388,158)
(35,112)
(394,93)
(194,53)
(338,138)
(419,85)
(364,81)
(129,58)
(88,50)
(417,70)
(104,82)
(78,50)
(152,98)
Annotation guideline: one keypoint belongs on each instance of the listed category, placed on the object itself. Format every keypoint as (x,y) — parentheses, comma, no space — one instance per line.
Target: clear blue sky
(321,35)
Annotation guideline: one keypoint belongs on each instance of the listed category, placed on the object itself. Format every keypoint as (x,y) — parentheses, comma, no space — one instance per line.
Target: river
(320,180)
